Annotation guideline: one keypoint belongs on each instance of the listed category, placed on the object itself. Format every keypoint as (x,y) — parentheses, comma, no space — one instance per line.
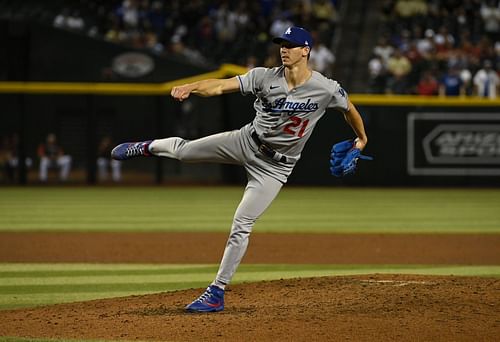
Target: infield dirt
(355,308)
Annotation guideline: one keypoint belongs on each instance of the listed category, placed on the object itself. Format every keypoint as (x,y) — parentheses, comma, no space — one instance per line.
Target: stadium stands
(437,38)
(432,36)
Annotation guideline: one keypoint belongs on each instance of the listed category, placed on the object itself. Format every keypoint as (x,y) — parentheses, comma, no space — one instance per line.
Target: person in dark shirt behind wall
(451,84)
(9,157)
(428,85)
(52,155)
(105,163)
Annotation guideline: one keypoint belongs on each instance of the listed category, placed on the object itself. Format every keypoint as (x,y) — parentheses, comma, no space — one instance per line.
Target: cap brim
(279,40)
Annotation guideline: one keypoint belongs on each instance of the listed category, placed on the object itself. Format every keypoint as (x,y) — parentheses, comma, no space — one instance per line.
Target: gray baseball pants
(265,179)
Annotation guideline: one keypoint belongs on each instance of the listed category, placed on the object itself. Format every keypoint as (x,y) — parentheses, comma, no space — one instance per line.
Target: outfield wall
(417,146)
(412,145)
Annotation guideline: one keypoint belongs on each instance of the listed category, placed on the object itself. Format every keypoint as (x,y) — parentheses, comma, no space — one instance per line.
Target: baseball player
(290,100)
(52,155)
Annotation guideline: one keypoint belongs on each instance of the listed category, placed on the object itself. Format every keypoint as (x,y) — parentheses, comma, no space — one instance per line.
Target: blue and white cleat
(131,149)
(211,300)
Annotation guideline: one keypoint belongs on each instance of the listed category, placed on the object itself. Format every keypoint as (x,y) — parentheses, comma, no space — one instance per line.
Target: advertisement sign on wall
(453,144)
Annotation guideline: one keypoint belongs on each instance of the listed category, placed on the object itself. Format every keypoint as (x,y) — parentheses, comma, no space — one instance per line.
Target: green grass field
(328,210)
(212,208)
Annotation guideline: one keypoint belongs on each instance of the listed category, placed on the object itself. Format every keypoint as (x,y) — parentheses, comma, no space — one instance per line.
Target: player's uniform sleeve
(340,99)
(251,82)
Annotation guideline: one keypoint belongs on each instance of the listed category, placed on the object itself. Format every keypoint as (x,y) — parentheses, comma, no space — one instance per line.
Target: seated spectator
(324,14)
(322,59)
(425,45)
(398,67)
(377,72)
(413,54)
(69,20)
(490,13)
(486,81)
(428,85)
(52,156)
(61,19)
(105,163)
(451,83)
(280,24)
(443,39)
(75,21)
(128,12)
(408,8)
(384,50)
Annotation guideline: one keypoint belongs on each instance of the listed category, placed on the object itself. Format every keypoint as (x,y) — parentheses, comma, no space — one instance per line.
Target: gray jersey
(286,118)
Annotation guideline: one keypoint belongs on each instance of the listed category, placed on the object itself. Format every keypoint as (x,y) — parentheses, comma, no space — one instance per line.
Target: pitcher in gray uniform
(290,100)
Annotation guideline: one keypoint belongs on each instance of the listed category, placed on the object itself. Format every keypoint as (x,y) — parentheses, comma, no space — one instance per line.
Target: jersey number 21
(297,126)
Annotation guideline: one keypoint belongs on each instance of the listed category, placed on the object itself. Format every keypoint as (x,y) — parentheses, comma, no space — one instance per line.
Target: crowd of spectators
(205,32)
(427,47)
(431,47)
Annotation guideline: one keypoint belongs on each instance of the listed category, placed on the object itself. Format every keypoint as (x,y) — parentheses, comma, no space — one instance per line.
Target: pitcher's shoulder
(324,81)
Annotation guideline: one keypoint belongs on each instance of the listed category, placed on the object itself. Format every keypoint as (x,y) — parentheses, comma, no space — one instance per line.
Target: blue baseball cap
(295,35)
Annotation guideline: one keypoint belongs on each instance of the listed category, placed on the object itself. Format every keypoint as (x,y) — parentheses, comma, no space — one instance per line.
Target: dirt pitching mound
(369,308)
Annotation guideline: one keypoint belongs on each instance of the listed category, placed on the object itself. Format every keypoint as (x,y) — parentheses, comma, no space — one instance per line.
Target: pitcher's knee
(183,152)
(242,225)
(173,147)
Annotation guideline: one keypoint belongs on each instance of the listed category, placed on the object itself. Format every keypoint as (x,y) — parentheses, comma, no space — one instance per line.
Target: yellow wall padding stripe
(228,70)
(424,101)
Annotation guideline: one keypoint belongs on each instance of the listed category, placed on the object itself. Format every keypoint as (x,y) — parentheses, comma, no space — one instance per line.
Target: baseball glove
(344,158)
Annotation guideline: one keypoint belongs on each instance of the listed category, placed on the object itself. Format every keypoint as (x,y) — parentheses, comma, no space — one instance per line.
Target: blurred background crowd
(426,47)
(431,47)
(205,32)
